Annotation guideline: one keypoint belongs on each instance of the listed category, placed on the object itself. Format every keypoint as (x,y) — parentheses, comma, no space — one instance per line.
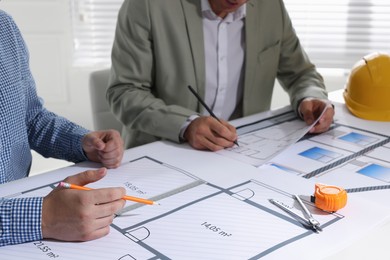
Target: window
(93,26)
(335,33)
(338,33)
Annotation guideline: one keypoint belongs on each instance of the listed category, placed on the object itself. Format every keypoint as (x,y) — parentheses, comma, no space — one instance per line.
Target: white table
(373,244)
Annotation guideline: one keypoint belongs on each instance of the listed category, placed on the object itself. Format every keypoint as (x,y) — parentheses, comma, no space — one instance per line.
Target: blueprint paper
(263,139)
(224,216)
(353,154)
(215,207)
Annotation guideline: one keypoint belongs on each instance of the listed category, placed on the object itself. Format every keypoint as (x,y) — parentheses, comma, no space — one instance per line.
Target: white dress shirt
(224,42)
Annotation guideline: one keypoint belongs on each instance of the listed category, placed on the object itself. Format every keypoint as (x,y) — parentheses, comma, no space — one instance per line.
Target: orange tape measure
(329,198)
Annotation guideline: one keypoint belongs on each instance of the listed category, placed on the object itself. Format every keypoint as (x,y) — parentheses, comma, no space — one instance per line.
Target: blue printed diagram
(370,172)
(315,154)
(358,139)
(376,171)
(321,154)
(339,138)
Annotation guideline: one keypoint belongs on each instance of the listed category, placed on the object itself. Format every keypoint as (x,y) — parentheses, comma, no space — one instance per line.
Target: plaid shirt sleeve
(24,125)
(20,220)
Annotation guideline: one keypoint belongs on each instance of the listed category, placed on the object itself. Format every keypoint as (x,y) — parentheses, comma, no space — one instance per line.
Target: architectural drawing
(262,140)
(315,154)
(221,217)
(349,155)
(194,214)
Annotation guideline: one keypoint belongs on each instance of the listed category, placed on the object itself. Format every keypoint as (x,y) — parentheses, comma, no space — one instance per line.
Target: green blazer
(159,50)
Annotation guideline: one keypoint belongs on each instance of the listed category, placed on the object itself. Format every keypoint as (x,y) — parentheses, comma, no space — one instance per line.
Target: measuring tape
(329,198)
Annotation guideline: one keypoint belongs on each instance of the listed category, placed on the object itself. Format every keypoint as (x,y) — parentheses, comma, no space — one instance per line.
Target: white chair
(102,116)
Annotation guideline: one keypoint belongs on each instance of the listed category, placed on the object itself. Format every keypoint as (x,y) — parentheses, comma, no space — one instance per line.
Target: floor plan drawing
(315,154)
(192,215)
(350,157)
(220,205)
(210,220)
(262,140)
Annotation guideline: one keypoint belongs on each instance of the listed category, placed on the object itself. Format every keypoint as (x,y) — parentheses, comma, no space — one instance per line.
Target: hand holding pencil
(126,197)
(74,215)
(210,132)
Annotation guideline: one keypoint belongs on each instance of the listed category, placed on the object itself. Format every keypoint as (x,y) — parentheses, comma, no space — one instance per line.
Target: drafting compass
(308,221)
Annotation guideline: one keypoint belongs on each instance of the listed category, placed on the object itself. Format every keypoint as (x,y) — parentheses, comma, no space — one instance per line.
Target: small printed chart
(358,139)
(320,154)
(376,171)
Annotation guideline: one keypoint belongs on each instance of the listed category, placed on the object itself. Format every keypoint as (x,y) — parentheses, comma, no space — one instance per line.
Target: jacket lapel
(251,44)
(193,16)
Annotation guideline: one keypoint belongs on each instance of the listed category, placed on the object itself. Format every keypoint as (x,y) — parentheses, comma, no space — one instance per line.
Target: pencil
(207,108)
(126,197)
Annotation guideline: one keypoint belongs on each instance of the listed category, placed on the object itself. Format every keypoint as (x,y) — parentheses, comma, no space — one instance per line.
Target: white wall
(334,80)
(46,28)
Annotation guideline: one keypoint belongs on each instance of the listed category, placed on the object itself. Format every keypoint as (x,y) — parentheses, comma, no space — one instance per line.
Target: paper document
(351,154)
(196,221)
(262,140)
(218,209)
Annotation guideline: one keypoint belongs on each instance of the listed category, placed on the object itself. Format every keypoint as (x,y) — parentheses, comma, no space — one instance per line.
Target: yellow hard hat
(367,92)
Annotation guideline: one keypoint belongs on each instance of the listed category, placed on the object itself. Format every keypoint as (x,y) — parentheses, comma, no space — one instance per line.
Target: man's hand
(78,215)
(206,133)
(311,109)
(105,147)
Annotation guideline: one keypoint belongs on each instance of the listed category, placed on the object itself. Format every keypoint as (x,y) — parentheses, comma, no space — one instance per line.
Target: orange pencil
(126,197)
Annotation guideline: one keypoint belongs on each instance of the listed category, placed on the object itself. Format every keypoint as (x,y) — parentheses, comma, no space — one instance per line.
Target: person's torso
(15,156)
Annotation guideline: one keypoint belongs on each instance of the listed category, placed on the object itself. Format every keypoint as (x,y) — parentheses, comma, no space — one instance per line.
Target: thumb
(94,141)
(309,119)
(86,177)
(307,114)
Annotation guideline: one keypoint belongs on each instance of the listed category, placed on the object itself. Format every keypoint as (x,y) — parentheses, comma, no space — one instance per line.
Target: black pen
(206,107)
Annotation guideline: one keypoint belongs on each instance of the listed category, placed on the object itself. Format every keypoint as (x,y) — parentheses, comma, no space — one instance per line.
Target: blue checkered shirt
(24,125)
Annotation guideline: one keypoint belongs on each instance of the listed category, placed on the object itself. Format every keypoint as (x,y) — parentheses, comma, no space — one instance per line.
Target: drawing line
(170,212)
(364,130)
(372,188)
(163,195)
(274,119)
(291,240)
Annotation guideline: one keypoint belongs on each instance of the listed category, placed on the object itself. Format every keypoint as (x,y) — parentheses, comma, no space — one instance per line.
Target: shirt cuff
(77,145)
(184,127)
(21,220)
